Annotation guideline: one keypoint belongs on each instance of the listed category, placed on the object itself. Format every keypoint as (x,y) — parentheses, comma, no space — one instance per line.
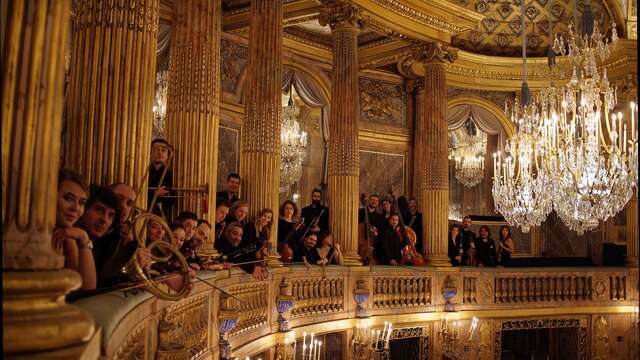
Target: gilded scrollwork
(133,347)
(435,52)
(340,13)
(382,102)
(182,330)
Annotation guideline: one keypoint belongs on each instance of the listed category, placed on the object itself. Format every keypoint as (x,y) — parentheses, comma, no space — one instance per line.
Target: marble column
(193,98)
(260,157)
(431,134)
(344,159)
(35,317)
(111,91)
(418,146)
(632,231)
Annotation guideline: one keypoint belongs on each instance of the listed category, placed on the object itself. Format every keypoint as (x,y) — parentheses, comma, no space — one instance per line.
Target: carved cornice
(294,21)
(423,18)
(435,52)
(338,13)
(309,38)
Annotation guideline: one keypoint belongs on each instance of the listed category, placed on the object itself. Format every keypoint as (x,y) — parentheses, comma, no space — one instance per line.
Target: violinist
(238,213)
(328,252)
(233,247)
(389,248)
(316,210)
(259,231)
(222,210)
(306,250)
(288,229)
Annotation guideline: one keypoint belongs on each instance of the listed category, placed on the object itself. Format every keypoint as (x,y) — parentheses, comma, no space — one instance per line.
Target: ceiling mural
(499,33)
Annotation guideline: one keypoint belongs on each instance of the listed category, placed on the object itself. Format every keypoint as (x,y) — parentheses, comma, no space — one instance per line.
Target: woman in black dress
(456,249)
(328,252)
(287,227)
(506,246)
(486,248)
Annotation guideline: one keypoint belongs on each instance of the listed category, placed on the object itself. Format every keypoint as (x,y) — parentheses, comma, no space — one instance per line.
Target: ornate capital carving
(435,52)
(339,13)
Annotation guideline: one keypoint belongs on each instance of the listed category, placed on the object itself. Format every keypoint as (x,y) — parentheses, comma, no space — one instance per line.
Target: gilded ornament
(340,13)
(435,52)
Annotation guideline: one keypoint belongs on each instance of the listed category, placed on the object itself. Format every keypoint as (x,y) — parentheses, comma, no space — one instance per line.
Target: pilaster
(632,231)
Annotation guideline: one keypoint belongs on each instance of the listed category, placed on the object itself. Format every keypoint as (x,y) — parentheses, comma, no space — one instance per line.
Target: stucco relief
(383,103)
(234,60)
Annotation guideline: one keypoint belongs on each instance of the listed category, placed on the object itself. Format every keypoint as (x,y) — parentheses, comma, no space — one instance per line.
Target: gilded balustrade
(142,326)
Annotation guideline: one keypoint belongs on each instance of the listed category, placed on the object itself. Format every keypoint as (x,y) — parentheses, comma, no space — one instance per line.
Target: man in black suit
(312,211)
(377,221)
(233,189)
(414,221)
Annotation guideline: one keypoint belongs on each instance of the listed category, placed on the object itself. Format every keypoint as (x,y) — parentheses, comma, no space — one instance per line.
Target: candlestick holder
(371,344)
(457,344)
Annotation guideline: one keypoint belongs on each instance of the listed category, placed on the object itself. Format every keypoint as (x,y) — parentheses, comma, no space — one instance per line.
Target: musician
(389,247)
(468,241)
(222,210)
(233,189)
(67,239)
(287,227)
(231,244)
(486,248)
(189,247)
(506,246)
(159,160)
(376,220)
(127,196)
(305,250)
(414,221)
(179,233)
(328,253)
(102,209)
(456,247)
(238,213)
(258,231)
(189,221)
(313,211)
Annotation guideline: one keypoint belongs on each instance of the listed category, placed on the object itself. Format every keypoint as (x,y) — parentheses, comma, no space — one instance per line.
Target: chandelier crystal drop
(589,149)
(469,170)
(293,146)
(160,103)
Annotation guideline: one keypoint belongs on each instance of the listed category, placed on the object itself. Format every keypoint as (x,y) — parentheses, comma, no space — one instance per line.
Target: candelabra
(371,344)
(469,169)
(457,346)
(310,351)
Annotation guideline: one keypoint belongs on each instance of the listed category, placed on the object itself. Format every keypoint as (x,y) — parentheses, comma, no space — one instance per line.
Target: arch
(317,76)
(507,125)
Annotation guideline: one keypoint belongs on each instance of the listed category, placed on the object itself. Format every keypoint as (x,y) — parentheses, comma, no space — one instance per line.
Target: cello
(410,256)
(366,241)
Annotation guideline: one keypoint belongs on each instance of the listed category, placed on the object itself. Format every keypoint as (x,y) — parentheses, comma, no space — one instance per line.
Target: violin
(286,253)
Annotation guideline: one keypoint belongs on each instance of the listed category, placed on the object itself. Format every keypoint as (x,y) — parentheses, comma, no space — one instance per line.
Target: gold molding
(240,18)
(507,125)
(384,137)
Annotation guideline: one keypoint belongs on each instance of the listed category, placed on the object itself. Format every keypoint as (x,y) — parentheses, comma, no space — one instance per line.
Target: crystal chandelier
(594,166)
(160,106)
(521,184)
(469,164)
(293,145)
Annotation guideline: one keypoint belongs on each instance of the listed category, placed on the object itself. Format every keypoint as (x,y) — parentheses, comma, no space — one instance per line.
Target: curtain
(485,120)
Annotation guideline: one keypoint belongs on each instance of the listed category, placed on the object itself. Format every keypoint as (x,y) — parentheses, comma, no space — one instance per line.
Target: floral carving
(234,59)
(382,102)
(340,13)
(435,52)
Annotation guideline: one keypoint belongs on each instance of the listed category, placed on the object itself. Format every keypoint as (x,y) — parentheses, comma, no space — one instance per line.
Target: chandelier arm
(603,142)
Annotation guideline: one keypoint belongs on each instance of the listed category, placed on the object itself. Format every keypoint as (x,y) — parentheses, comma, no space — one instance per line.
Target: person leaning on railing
(236,251)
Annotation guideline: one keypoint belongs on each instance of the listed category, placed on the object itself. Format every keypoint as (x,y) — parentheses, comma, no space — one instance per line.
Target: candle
(319,346)
(294,348)
(388,335)
(311,346)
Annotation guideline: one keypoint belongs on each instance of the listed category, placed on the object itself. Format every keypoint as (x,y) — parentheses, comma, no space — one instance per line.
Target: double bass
(410,256)
(366,241)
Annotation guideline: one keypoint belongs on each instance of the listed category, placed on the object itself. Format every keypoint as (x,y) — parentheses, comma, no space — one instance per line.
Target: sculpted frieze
(382,103)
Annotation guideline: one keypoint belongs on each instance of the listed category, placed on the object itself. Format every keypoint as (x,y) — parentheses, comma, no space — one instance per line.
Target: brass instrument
(161,251)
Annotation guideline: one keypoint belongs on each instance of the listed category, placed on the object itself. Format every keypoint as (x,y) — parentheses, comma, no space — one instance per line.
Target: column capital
(339,14)
(435,53)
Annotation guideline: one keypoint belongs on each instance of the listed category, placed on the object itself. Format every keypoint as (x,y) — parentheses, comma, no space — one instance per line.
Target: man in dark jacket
(233,189)
(159,161)
(237,251)
(313,211)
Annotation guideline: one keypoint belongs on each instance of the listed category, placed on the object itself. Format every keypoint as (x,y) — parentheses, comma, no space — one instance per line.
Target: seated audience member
(259,231)
(238,213)
(100,220)
(485,248)
(159,160)
(222,210)
(506,246)
(189,221)
(456,248)
(233,189)
(390,245)
(127,196)
(72,241)
(414,221)
(305,251)
(328,253)
(288,229)
(313,211)
(236,251)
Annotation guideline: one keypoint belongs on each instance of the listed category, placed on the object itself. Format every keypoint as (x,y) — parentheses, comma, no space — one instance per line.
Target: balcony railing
(142,326)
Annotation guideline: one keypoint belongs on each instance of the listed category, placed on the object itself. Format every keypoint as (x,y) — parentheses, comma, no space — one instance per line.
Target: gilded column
(632,231)
(344,160)
(260,159)
(418,151)
(35,316)
(431,134)
(193,98)
(111,91)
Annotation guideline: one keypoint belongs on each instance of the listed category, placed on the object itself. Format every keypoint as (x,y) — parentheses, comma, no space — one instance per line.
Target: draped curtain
(484,119)
(311,95)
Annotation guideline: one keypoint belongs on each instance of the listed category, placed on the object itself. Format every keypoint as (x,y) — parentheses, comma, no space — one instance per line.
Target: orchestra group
(95,231)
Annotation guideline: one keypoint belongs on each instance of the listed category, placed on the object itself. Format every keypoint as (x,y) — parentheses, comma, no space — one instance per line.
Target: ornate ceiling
(499,33)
